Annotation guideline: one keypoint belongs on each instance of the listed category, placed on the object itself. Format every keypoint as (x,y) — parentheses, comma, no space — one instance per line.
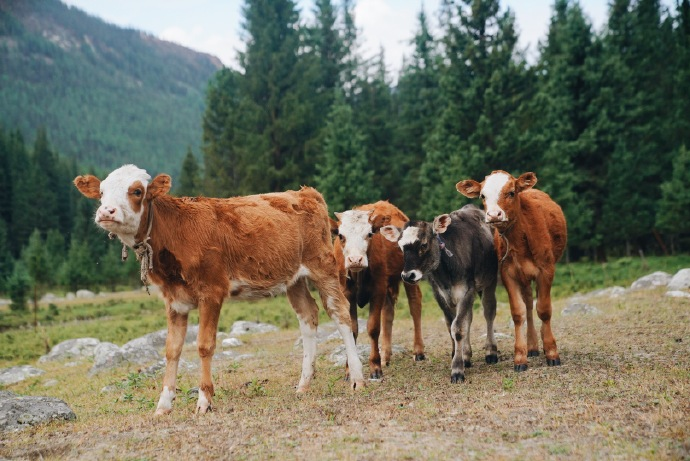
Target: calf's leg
(532,341)
(177,330)
(460,332)
(517,310)
(544,312)
(209,312)
(387,317)
(308,315)
(374,329)
(414,299)
(489,305)
(336,306)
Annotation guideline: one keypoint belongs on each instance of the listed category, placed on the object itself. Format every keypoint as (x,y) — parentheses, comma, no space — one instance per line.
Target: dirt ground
(623,392)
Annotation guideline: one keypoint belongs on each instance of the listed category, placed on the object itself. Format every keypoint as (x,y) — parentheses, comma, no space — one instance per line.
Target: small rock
(51,383)
(70,296)
(71,349)
(580,308)
(231,342)
(85,294)
(680,281)
(654,280)
(20,412)
(242,327)
(17,374)
(678,294)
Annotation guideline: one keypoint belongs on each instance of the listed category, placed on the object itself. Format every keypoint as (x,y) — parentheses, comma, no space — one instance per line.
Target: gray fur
(470,269)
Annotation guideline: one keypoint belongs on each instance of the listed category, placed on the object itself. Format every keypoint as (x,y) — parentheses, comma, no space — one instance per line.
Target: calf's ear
(441,223)
(334,226)
(391,233)
(89,186)
(159,186)
(525,181)
(469,188)
(378,221)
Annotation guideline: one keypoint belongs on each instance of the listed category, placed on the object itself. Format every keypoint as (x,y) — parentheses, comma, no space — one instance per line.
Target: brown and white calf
(530,236)
(456,255)
(369,267)
(204,250)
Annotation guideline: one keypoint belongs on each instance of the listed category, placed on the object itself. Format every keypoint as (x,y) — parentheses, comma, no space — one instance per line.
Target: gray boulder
(85,294)
(20,412)
(677,294)
(231,342)
(680,281)
(653,280)
(17,374)
(71,349)
(106,356)
(242,327)
(580,308)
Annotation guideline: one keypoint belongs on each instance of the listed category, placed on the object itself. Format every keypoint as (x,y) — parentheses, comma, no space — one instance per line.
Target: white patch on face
(493,185)
(409,236)
(355,227)
(115,205)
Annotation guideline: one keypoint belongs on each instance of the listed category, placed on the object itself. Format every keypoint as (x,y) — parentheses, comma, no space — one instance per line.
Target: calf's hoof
(358,385)
(163,411)
(521,367)
(457,378)
(554,362)
(491,358)
(376,374)
(533,354)
(419,357)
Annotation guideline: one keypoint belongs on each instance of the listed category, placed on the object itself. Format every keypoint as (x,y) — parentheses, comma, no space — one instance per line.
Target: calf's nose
(409,277)
(106,211)
(355,260)
(494,215)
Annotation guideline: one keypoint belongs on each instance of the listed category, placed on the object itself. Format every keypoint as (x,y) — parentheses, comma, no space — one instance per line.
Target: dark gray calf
(456,254)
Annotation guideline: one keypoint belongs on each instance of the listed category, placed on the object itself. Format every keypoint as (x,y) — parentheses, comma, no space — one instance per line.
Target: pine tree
(36,260)
(277,96)
(189,176)
(418,103)
(485,86)
(345,178)
(673,215)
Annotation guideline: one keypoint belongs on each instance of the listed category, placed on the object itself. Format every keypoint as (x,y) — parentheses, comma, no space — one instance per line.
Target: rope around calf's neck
(143,252)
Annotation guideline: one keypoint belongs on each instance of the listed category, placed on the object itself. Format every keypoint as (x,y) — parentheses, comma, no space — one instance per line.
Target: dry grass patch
(623,392)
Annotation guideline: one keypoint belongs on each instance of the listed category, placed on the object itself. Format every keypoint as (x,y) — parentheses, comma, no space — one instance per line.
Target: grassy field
(623,391)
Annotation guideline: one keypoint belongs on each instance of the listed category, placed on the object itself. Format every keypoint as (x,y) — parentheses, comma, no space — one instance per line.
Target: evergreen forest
(601,116)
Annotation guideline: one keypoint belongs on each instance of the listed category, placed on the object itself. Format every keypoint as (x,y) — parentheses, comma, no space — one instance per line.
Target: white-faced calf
(530,236)
(456,254)
(200,251)
(369,274)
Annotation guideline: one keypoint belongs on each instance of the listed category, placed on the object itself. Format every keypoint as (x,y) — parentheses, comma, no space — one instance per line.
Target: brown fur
(204,246)
(379,285)
(528,246)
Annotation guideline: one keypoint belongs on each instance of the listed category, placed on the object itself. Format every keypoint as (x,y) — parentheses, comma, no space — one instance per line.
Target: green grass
(119,319)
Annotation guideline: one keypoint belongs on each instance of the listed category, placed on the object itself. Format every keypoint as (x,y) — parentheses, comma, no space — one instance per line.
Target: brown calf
(530,236)
(370,269)
(200,251)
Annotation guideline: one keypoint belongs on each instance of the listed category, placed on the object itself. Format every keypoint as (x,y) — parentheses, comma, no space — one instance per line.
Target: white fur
(203,404)
(355,227)
(301,272)
(181,307)
(115,202)
(309,345)
(165,401)
(409,236)
(353,361)
(493,185)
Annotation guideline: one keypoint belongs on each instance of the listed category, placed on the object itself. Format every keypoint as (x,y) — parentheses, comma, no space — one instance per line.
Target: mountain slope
(106,95)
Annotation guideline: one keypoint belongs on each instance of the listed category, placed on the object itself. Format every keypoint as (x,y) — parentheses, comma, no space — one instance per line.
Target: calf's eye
(137,192)
(481,196)
(511,194)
